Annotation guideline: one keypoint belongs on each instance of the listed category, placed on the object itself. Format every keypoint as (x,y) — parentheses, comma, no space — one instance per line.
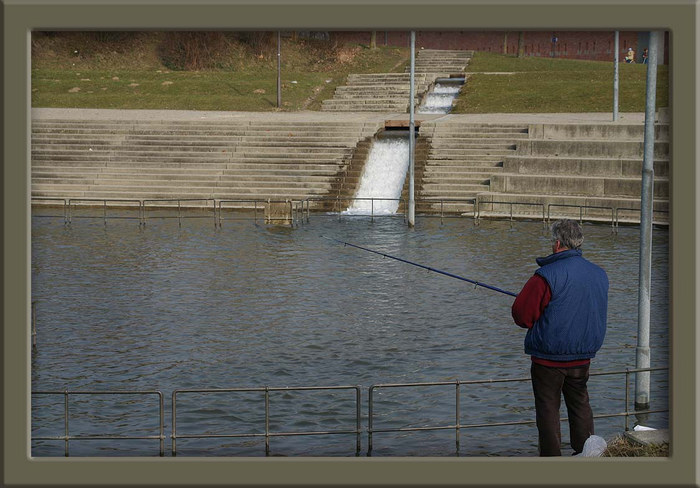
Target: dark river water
(165,307)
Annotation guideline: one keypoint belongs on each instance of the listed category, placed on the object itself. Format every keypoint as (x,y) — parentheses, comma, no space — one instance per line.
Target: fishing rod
(474,282)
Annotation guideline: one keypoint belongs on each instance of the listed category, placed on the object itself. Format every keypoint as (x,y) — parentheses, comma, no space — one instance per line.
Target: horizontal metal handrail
(66,438)
(75,201)
(179,201)
(458,425)
(54,199)
(581,208)
(494,202)
(298,207)
(267,434)
(631,209)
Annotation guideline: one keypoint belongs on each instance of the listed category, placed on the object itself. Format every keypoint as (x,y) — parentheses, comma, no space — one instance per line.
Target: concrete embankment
(580,164)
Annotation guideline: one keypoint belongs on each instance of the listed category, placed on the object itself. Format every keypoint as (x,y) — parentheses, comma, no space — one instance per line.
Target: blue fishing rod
(474,282)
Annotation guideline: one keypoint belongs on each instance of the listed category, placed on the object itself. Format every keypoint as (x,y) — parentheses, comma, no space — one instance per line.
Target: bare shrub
(191,50)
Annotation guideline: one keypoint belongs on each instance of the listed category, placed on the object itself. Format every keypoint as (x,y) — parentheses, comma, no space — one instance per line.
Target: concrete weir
(493,165)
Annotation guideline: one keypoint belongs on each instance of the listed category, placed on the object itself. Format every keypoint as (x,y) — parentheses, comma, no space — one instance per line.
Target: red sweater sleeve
(531,301)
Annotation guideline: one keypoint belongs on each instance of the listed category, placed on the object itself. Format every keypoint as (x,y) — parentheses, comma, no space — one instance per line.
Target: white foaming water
(383,177)
(439,100)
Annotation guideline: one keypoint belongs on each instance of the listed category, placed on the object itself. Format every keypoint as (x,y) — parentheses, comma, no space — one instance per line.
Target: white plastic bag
(594,446)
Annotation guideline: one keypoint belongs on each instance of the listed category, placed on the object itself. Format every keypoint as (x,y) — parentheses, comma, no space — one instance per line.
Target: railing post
(627,399)
(267,420)
(179,218)
(457,416)
(65,420)
(358,399)
(162,424)
(173,435)
(370,420)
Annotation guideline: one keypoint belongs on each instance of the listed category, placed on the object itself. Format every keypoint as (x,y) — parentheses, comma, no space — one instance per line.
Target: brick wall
(593,45)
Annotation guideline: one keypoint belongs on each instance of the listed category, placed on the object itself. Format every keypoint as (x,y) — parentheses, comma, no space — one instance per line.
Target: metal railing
(480,202)
(76,201)
(457,425)
(301,209)
(49,199)
(630,209)
(581,208)
(267,433)
(67,437)
(179,202)
(372,429)
(448,201)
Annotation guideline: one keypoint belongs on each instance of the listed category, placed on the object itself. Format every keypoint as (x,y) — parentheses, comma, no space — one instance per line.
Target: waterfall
(383,176)
(439,100)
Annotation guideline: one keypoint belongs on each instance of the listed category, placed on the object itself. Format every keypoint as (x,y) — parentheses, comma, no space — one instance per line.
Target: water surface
(120,307)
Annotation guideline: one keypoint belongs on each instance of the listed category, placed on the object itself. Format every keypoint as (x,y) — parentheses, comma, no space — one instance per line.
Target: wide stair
(390,92)
(380,92)
(441,62)
(236,161)
(581,171)
(461,159)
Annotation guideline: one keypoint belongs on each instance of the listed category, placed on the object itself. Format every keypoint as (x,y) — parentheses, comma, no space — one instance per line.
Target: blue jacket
(573,324)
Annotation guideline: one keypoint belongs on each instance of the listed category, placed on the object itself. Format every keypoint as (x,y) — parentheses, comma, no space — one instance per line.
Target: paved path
(115,114)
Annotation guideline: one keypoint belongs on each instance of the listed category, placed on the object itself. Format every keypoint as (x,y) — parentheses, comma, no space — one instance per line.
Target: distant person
(564,307)
(645,55)
(630,56)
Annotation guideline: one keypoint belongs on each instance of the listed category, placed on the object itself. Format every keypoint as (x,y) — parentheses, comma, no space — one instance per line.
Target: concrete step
(453,189)
(442,146)
(505,136)
(599,131)
(241,187)
(447,180)
(582,166)
(218,194)
(589,148)
(575,185)
(457,153)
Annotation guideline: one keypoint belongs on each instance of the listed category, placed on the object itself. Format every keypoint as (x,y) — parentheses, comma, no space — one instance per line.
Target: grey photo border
(20,17)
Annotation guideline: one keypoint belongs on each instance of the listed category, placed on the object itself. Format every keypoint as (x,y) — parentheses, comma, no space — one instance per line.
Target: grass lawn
(542,85)
(83,70)
(249,84)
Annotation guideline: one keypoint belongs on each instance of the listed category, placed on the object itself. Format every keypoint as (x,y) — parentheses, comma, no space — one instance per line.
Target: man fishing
(564,307)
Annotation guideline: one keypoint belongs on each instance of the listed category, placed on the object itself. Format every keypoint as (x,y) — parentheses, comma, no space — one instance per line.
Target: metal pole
(412,138)
(279,70)
(641,401)
(616,78)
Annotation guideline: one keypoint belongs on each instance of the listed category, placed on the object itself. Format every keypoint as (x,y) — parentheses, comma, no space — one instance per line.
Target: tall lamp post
(642,390)
(616,78)
(279,70)
(412,138)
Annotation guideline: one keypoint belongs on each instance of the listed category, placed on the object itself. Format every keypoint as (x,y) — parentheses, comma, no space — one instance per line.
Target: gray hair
(568,233)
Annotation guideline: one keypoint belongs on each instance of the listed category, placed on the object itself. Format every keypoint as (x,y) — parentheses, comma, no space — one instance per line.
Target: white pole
(642,394)
(279,69)
(412,138)
(616,79)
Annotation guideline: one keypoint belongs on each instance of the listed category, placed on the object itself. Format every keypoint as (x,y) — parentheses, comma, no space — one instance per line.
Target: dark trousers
(548,384)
